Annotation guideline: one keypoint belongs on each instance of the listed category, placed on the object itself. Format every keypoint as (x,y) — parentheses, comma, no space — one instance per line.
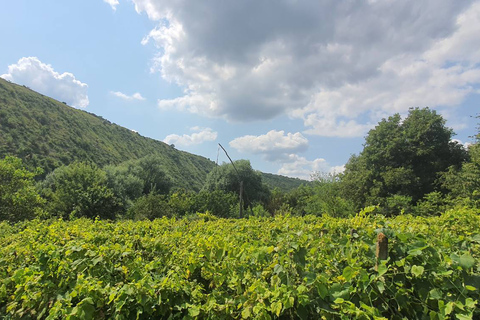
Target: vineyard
(263,268)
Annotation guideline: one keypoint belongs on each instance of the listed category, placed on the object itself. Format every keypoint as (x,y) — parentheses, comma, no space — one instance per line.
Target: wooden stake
(382,248)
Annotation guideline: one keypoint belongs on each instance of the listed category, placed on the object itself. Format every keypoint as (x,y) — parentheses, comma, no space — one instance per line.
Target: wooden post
(241,202)
(352,232)
(382,249)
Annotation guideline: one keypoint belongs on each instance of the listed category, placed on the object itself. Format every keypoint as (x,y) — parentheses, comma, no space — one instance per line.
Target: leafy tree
(125,185)
(79,190)
(133,178)
(465,182)
(326,197)
(217,202)
(150,170)
(19,199)
(276,200)
(401,160)
(150,206)
(226,178)
(182,202)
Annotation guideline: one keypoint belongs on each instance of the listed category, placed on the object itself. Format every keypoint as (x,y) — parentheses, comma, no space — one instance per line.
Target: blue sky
(292,86)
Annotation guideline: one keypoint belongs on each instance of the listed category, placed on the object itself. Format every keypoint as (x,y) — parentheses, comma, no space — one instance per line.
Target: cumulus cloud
(199,136)
(43,78)
(336,65)
(274,146)
(135,96)
(300,167)
(112,3)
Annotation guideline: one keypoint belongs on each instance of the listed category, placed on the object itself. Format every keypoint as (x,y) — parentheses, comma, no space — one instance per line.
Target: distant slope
(47,133)
(281,182)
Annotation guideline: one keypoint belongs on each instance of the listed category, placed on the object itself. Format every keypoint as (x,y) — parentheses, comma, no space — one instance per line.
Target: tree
(217,202)
(465,182)
(19,199)
(326,197)
(226,178)
(79,190)
(150,170)
(136,177)
(401,160)
(150,206)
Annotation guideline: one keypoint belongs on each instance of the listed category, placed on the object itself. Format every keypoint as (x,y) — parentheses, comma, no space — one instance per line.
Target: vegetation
(127,227)
(79,190)
(228,177)
(18,198)
(401,161)
(282,183)
(46,133)
(263,268)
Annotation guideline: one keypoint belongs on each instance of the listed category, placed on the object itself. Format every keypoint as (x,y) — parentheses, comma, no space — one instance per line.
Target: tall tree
(401,160)
(227,178)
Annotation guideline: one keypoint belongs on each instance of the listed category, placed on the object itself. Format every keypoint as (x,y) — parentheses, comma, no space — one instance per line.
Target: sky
(293,86)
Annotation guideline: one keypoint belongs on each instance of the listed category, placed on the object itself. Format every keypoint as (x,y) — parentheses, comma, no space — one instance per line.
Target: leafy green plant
(258,268)
(18,197)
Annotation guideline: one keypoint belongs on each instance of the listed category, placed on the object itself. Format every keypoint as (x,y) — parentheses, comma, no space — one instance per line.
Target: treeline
(409,165)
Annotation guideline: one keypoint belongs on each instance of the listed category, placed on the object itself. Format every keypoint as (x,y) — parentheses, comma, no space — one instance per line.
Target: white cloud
(337,65)
(199,136)
(274,145)
(300,167)
(43,78)
(135,96)
(112,3)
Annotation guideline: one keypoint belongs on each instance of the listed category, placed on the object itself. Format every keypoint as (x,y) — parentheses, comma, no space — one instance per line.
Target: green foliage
(134,178)
(258,268)
(402,159)
(259,211)
(19,199)
(79,190)
(150,206)
(464,183)
(46,133)
(282,183)
(327,198)
(433,203)
(226,178)
(217,202)
(182,203)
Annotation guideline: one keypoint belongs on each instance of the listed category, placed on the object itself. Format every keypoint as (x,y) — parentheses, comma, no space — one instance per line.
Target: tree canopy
(19,199)
(79,190)
(401,160)
(227,178)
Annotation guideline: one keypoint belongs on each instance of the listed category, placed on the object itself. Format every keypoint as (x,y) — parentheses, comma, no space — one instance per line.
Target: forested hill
(283,183)
(47,133)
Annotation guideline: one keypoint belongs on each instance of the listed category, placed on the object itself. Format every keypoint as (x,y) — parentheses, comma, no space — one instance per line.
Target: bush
(151,207)
(19,199)
(79,190)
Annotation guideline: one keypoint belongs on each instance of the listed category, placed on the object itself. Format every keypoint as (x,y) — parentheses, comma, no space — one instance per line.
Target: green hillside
(283,183)
(47,133)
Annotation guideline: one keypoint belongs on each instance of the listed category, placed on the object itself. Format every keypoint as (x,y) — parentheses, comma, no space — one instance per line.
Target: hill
(283,183)
(47,133)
